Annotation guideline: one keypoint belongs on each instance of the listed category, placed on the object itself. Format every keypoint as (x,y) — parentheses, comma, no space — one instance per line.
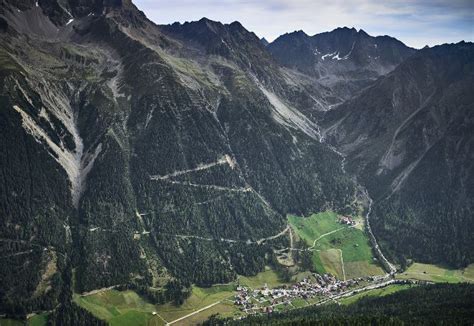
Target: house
(347,220)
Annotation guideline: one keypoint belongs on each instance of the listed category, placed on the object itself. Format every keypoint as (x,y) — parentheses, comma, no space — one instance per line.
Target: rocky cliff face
(346,60)
(130,150)
(409,137)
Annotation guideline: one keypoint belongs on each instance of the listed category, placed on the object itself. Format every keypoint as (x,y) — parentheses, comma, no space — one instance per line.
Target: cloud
(415,22)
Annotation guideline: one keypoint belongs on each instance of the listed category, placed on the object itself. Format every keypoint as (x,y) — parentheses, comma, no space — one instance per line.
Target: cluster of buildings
(265,299)
(347,220)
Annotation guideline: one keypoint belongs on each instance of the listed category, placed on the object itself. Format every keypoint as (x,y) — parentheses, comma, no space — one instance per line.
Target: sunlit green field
(332,238)
(433,273)
(36,320)
(128,308)
(375,293)
(268,277)
(10,322)
(118,307)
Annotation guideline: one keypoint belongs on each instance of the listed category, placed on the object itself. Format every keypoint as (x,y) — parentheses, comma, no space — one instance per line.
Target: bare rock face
(346,60)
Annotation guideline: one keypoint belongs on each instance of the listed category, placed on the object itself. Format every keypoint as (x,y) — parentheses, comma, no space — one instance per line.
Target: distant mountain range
(123,140)
(345,60)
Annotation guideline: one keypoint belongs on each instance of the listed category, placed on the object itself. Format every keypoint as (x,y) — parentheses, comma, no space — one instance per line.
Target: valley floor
(337,246)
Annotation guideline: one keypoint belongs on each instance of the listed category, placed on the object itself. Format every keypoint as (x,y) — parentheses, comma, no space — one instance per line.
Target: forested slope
(129,150)
(409,138)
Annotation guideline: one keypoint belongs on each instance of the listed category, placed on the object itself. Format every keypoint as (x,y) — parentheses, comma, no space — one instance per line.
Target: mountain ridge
(406,121)
(106,103)
(133,152)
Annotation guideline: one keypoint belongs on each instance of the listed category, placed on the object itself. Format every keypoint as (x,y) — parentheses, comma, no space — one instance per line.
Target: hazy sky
(415,22)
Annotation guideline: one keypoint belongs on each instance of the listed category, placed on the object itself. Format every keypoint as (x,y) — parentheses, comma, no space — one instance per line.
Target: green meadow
(328,238)
(433,273)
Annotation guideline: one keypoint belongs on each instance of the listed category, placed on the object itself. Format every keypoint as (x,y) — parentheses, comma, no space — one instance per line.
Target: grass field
(331,237)
(375,293)
(312,227)
(331,260)
(118,307)
(268,277)
(10,322)
(200,298)
(128,308)
(38,320)
(224,309)
(433,273)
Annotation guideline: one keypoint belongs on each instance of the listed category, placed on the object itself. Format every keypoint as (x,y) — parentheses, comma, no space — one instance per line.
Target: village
(266,300)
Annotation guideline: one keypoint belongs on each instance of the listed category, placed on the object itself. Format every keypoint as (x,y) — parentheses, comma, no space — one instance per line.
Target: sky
(415,22)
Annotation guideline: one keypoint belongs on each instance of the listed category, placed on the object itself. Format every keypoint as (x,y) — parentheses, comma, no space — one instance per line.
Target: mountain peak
(362,32)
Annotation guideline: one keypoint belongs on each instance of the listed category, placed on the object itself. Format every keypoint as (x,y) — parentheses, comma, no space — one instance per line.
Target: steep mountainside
(132,153)
(346,60)
(410,139)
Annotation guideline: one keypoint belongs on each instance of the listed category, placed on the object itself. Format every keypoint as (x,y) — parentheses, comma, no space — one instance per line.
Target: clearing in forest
(433,273)
(326,237)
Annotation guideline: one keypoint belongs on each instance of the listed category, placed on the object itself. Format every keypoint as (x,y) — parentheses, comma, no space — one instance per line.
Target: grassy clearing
(10,322)
(433,273)
(128,308)
(375,293)
(133,317)
(200,298)
(299,303)
(331,260)
(352,241)
(118,307)
(314,226)
(258,281)
(225,309)
(356,269)
(38,320)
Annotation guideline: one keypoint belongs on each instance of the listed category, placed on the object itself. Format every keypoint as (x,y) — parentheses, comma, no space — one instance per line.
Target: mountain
(132,153)
(264,41)
(409,137)
(157,157)
(346,60)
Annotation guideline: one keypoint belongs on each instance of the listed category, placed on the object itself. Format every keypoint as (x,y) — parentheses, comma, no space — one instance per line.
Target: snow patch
(69,21)
(336,57)
(328,55)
